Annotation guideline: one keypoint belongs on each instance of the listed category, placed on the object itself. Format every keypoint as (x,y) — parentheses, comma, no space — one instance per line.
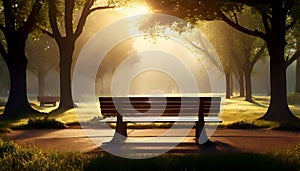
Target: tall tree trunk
(278,109)
(228,84)
(231,85)
(41,79)
(17,105)
(297,90)
(241,83)
(248,86)
(66,54)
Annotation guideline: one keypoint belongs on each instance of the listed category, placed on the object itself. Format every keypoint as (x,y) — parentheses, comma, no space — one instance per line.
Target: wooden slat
(162,119)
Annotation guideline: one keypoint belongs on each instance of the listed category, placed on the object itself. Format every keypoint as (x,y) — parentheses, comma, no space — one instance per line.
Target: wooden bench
(123,110)
(44,100)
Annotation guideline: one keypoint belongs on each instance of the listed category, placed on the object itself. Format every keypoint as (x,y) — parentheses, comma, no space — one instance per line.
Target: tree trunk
(231,85)
(17,105)
(248,86)
(66,55)
(228,84)
(278,109)
(241,83)
(41,79)
(297,90)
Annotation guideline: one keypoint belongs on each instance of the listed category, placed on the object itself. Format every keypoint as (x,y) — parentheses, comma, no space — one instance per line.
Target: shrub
(4,130)
(289,126)
(42,123)
(243,125)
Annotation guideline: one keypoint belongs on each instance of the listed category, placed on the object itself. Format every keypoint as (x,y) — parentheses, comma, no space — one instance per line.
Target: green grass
(294,99)
(241,114)
(15,157)
(236,161)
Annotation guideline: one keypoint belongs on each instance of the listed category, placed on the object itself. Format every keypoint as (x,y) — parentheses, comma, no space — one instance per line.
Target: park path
(226,140)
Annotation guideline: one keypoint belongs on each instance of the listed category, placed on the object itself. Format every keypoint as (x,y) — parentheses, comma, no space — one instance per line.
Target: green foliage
(42,123)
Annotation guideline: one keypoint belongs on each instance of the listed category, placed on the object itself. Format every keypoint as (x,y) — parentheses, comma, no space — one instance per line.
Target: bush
(42,123)
(243,125)
(4,130)
(288,126)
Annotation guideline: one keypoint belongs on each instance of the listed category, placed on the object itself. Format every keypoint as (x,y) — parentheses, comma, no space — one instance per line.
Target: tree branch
(3,53)
(293,58)
(52,11)
(2,27)
(69,7)
(26,29)
(204,50)
(85,13)
(9,15)
(255,33)
(46,32)
(102,8)
(265,19)
(257,56)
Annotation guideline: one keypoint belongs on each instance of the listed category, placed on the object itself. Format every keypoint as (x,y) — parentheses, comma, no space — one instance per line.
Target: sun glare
(133,10)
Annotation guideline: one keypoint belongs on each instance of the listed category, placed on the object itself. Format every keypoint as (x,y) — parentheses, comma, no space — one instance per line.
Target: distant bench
(123,110)
(44,100)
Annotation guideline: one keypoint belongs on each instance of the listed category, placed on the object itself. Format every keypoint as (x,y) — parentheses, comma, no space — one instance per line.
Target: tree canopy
(277,17)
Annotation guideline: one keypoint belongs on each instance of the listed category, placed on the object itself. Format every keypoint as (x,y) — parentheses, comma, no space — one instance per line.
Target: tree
(42,56)
(4,80)
(297,37)
(250,51)
(224,44)
(65,11)
(297,90)
(277,17)
(18,19)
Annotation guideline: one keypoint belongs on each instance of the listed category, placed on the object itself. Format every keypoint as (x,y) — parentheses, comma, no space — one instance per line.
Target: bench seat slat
(159,111)
(165,114)
(159,119)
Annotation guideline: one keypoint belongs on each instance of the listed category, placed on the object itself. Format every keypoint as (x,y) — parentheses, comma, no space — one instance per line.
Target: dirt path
(226,140)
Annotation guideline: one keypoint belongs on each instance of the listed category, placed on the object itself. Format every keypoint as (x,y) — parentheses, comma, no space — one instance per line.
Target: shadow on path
(157,148)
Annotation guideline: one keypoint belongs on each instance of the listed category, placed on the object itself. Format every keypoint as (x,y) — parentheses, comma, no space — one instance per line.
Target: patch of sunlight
(237,109)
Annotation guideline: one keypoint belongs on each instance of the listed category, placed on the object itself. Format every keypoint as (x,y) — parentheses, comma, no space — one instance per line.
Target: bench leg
(200,136)
(121,130)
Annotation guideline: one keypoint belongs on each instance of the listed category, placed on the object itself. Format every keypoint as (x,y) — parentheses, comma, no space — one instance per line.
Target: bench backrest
(48,98)
(159,106)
